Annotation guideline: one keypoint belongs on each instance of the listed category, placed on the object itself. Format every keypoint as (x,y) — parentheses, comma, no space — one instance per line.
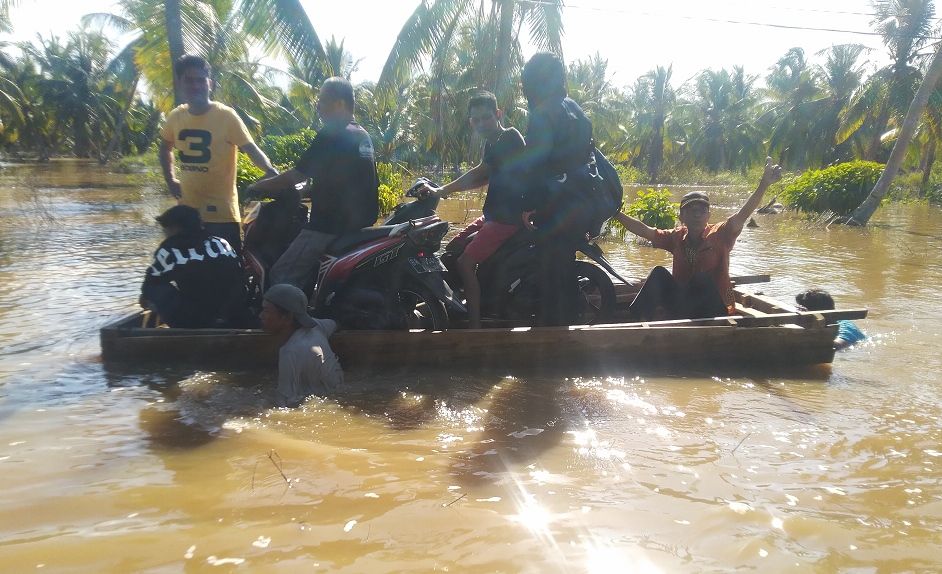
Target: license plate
(426,264)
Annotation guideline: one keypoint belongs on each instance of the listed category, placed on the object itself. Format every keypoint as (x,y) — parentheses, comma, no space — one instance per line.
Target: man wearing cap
(699,285)
(195,280)
(306,363)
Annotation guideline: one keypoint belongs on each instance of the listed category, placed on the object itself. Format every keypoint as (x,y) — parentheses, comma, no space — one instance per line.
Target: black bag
(606,194)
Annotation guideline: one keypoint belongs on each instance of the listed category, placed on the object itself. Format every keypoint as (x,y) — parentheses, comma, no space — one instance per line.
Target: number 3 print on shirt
(198,143)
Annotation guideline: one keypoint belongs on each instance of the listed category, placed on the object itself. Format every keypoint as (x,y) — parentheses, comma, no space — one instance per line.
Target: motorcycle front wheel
(596,303)
(419,308)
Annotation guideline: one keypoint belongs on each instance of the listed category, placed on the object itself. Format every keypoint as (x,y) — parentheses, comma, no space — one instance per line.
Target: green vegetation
(838,189)
(390,187)
(81,94)
(285,150)
(654,207)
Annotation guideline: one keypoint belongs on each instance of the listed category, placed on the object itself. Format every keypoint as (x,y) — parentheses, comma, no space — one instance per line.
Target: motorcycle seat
(348,241)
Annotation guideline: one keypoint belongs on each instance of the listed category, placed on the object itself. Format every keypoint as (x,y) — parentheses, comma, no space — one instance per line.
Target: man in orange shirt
(699,286)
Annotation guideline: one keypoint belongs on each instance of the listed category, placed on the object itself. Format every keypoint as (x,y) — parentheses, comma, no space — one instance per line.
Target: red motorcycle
(383,277)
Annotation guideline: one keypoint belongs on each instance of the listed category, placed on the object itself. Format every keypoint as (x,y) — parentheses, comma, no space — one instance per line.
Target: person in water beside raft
(699,285)
(306,363)
(195,280)
(848,334)
(500,217)
(207,137)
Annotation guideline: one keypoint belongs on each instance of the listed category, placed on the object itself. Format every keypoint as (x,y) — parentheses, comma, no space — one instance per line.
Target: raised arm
(771,174)
(259,158)
(636,226)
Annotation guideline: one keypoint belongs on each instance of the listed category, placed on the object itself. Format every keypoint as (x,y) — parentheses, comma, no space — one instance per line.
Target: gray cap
(292,300)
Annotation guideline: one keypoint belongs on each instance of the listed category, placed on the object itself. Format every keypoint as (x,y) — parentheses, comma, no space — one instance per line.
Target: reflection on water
(117,469)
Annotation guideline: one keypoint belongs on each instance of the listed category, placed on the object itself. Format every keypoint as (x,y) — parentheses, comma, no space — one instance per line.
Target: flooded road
(107,469)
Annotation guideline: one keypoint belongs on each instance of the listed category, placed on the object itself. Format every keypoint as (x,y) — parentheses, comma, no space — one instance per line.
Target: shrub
(390,187)
(285,150)
(839,188)
(629,174)
(246,174)
(934,195)
(652,206)
(655,208)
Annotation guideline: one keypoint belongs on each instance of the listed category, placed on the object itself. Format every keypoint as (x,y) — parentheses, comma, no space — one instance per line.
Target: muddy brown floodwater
(106,469)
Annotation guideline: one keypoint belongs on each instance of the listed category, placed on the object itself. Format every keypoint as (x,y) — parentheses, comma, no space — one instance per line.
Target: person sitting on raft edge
(306,363)
(699,285)
(848,334)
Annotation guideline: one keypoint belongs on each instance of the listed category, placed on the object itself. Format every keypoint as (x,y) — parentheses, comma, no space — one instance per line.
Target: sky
(690,35)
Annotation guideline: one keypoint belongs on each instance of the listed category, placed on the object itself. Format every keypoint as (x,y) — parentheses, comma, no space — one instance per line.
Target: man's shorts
(490,236)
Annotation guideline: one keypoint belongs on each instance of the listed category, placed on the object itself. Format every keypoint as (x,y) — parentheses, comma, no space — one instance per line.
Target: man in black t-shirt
(499,170)
(195,280)
(344,185)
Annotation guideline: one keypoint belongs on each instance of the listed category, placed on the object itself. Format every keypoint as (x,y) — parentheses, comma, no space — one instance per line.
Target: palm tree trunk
(119,127)
(872,153)
(174,40)
(928,161)
(865,211)
(657,149)
(504,39)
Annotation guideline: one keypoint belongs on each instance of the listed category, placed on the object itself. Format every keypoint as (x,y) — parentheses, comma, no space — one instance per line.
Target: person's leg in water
(657,299)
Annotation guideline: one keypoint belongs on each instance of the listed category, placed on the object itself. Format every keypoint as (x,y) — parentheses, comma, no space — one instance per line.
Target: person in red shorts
(502,210)
(699,285)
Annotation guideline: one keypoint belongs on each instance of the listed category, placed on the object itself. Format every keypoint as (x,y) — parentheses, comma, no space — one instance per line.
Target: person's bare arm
(284,180)
(636,226)
(771,174)
(259,158)
(474,178)
(165,154)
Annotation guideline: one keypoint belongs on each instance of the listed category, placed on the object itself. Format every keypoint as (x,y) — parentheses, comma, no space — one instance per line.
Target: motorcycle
(509,278)
(383,277)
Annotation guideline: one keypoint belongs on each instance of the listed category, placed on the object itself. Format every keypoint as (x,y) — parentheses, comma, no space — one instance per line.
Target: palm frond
(284,25)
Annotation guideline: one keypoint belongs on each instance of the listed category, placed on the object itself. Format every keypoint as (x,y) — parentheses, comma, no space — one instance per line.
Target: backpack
(606,194)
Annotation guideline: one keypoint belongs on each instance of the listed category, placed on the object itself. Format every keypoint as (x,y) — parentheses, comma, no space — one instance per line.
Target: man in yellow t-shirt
(207,137)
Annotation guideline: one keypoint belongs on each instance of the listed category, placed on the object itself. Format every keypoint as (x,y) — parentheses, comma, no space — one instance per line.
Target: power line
(645,13)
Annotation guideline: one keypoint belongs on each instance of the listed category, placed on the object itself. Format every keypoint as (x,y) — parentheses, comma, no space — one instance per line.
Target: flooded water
(106,469)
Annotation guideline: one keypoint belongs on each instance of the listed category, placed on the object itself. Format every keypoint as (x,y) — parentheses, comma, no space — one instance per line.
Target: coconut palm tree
(219,30)
(906,26)
(590,84)
(840,77)
(719,116)
(5,22)
(865,211)
(72,84)
(654,100)
(431,30)
(796,101)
